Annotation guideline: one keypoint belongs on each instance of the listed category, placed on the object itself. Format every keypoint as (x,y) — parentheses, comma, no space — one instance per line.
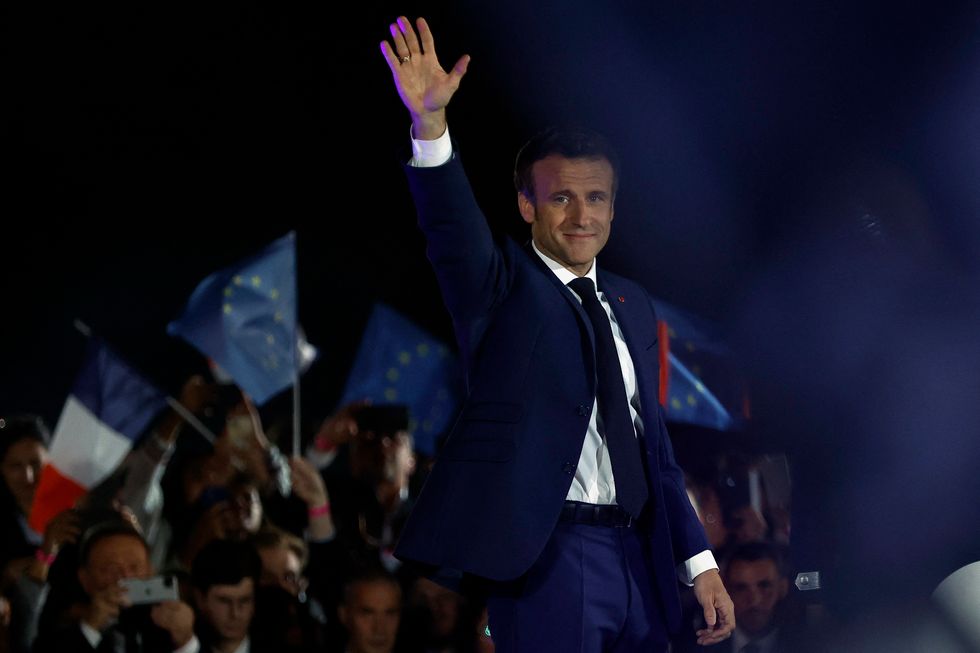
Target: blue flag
(244,319)
(703,386)
(399,363)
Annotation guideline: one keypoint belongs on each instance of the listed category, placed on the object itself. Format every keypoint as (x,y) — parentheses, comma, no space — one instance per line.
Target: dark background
(145,147)
(804,174)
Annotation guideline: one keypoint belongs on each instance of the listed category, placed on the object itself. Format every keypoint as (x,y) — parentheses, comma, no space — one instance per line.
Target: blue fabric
(588,592)
(115,392)
(244,319)
(399,363)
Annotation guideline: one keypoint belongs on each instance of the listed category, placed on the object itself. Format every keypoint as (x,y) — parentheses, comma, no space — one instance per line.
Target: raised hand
(423,85)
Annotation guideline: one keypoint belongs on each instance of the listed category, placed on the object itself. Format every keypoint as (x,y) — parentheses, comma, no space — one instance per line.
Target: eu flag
(244,319)
(703,386)
(399,363)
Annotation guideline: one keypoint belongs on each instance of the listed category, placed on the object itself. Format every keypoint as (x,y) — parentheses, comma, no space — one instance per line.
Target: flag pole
(178,407)
(296,355)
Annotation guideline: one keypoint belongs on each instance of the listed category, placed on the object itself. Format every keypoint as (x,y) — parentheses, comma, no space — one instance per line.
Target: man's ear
(526,207)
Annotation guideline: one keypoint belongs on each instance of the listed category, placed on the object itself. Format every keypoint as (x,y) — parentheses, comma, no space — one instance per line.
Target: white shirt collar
(564,274)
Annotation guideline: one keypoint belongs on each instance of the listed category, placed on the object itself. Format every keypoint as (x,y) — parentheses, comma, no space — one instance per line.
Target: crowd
(232,547)
(264,552)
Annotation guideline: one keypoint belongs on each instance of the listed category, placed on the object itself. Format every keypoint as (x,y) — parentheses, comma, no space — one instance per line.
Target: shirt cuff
(691,568)
(429,154)
(92,636)
(192,646)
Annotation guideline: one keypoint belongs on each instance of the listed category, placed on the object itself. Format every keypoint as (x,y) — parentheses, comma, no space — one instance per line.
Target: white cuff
(693,567)
(429,154)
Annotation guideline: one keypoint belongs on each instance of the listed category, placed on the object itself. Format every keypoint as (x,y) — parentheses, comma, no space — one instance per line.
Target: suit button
(568,468)
(583,410)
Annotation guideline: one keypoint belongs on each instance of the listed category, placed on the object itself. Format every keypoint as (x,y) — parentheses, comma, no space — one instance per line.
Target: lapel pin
(622,300)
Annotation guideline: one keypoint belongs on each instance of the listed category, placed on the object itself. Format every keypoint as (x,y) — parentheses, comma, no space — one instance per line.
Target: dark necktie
(624,451)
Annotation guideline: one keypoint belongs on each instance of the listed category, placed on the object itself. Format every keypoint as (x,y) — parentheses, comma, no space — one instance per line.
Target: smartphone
(140,591)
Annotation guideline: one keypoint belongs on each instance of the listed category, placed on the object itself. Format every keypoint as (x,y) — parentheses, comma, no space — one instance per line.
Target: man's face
(442,604)
(112,559)
(572,209)
(229,609)
(371,617)
(281,568)
(21,468)
(756,588)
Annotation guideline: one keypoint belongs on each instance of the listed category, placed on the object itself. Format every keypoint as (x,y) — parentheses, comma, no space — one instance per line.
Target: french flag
(110,406)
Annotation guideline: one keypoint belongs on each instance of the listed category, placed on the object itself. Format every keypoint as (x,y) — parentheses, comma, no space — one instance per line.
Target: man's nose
(576,213)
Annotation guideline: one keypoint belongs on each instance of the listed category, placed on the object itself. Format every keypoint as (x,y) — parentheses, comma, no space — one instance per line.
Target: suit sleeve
(471,270)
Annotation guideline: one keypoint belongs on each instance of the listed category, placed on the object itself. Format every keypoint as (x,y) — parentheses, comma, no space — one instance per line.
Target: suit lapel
(633,316)
(565,292)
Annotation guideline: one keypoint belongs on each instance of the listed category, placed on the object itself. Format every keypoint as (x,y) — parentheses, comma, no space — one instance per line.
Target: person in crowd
(754,575)
(439,620)
(106,621)
(225,576)
(23,450)
(371,490)
(288,614)
(371,612)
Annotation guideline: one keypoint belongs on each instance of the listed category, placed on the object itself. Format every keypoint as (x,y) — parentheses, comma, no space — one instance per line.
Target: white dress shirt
(593,481)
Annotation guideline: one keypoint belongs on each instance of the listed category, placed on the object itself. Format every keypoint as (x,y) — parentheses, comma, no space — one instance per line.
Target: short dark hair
(225,562)
(104,529)
(568,142)
(371,574)
(754,552)
(15,428)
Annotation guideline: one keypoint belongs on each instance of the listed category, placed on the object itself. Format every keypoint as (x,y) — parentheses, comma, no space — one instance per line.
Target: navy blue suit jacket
(496,490)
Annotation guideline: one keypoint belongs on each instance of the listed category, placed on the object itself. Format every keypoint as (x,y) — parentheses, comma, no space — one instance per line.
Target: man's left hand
(719,612)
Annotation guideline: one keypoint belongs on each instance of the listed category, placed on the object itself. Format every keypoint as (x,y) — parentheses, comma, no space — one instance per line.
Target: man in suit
(109,553)
(557,487)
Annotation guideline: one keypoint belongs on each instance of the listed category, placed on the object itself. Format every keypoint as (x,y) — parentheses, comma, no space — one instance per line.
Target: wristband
(47,558)
(319,510)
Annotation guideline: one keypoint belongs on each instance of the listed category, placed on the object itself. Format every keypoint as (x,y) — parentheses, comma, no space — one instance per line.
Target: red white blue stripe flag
(110,406)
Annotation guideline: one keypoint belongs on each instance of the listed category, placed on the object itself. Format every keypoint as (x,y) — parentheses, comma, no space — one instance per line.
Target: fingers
(709,615)
(456,74)
(719,628)
(398,40)
(428,44)
(390,57)
(408,34)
